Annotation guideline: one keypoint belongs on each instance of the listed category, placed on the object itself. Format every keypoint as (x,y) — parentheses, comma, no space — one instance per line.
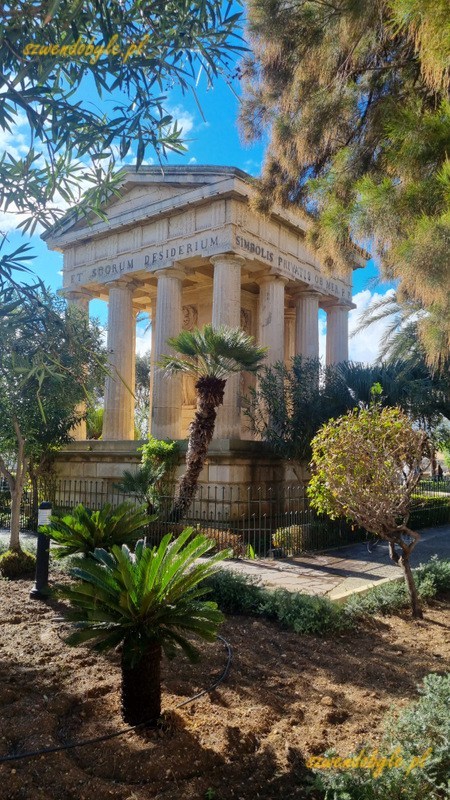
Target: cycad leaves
(83,530)
(154,593)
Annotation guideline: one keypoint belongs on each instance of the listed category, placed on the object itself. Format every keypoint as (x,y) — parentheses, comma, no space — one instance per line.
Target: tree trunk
(414,597)
(210,397)
(14,530)
(34,497)
(141,688)
(16,487)
(403,561)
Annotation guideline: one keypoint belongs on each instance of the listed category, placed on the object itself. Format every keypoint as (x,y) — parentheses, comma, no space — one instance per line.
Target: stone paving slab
(340,572)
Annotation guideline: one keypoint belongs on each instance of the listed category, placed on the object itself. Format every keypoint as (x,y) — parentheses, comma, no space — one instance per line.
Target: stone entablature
(186,247)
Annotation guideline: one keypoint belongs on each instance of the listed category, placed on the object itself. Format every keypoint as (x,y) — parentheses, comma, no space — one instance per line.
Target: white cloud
(143,341)
(184,119)
(365,345)
(192,160)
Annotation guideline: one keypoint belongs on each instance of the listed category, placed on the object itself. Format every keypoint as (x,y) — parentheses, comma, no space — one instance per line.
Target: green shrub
(304,613)
(431,579)
(290,539)
(384,599)
(17,564)
(428,511)
(239,594)
(157,453)
(436,570)
(422,729)
(83,530)
(235,593)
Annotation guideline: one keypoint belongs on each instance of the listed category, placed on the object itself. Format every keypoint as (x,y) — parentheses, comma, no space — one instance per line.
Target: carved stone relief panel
(190,318)
(246,320)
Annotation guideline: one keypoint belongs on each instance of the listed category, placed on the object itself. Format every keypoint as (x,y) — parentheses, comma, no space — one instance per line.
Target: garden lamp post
(40,588)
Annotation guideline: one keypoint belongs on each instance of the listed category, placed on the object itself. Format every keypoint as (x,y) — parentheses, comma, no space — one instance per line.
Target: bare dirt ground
(287,697)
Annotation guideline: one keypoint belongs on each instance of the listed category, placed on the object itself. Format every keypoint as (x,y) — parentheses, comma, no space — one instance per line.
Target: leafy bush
(239,594)
(224,538)
(83,530)
(429,511)
(17,564)
(235,593)
(289,539)
(159,453)
(431,578)
(436,570)
(420,730)
(304,613)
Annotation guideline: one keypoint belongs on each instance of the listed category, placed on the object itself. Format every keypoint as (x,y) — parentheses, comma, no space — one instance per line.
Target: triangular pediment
(146,189)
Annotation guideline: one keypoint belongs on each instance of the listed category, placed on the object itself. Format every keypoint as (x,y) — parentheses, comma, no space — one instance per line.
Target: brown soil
(286,697)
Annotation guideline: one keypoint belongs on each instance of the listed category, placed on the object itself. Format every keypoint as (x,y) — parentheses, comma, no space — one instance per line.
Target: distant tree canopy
(291,402)
(131,53)
(355,98)
(50,358)
(142,393)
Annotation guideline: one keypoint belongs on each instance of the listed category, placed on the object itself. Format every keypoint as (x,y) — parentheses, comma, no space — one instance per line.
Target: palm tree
(412,335)
(142,484)
(209,355)
(146,602)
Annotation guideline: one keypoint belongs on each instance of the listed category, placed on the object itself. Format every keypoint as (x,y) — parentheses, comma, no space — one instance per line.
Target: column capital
(130,286)
(74,294)
(170,272)
(338,303)
(302,293)
(273,277)
(227,257)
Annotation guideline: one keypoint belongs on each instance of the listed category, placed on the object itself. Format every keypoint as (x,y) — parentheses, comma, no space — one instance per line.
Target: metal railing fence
(250,520)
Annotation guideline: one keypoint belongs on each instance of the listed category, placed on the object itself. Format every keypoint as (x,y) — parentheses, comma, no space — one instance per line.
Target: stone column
(226,310)
(166,389)
(307,324)
(271,317)
(337,334)
(80,299)
(118,419)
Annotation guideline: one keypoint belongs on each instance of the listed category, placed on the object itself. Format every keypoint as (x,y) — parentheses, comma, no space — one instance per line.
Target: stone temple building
(185,246)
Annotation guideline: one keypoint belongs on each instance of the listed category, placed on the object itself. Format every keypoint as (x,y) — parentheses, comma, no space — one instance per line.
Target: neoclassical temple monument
(185,246)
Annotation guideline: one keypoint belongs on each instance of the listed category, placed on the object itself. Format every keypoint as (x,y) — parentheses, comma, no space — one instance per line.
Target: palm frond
(214,352)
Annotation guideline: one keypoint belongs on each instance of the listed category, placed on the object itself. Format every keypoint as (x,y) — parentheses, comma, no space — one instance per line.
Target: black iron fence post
(41,589)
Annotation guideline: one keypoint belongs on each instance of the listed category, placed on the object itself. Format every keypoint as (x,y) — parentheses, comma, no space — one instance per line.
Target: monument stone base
(230,462)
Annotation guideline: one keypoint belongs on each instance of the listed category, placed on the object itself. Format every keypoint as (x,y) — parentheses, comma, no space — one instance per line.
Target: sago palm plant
(147,602)
(209,356)
(83,530)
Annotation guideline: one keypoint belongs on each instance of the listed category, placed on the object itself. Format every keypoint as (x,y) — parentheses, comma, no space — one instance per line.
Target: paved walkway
(336,573)
(332,573)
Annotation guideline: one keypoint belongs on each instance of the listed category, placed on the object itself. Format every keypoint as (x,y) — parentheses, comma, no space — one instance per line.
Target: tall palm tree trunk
(210,392)
(141,688)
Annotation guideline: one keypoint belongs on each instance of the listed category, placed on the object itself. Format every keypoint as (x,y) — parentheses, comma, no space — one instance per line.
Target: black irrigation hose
(84,742)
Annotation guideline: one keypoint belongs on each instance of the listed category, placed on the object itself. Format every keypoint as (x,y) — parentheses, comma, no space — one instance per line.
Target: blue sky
(215,140)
